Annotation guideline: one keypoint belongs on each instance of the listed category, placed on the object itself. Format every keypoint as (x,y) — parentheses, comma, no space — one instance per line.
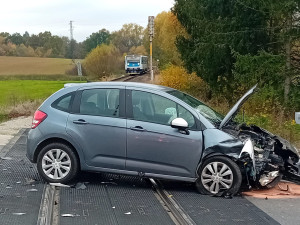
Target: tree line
(128,39)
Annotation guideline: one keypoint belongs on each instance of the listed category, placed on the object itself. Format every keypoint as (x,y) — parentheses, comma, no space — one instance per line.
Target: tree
(216,29)
(15,38)
(128,36)
(104,60)
(4,34)
(95,39)
(26,37)
(167,28)
(139,50)
(56,43)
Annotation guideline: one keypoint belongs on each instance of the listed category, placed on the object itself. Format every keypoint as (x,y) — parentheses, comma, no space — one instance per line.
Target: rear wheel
(57,163)
(219,174)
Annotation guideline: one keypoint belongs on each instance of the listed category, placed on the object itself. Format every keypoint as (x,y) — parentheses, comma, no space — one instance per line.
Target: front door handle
(80,121)
(137,128)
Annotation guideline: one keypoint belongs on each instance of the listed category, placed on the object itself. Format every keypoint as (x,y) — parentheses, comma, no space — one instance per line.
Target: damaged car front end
(272,157)
(265,158)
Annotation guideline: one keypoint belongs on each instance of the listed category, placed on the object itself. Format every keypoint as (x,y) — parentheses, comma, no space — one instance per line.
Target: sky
(89,16)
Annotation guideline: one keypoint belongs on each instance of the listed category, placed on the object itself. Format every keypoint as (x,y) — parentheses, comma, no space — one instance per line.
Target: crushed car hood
(234,110)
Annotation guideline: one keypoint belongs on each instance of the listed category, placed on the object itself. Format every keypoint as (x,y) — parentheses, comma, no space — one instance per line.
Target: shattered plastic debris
(80,186)
(30,181)
(3,210)
(6,158)
(128,213)
(69,215)
(59,185)
(19,214)
(283,189)
(32,190)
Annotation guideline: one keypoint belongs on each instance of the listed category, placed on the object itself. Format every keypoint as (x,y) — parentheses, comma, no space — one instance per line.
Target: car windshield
(210,114)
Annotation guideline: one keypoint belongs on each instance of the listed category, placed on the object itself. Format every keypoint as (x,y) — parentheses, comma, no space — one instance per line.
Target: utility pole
(151,34)
(71,39)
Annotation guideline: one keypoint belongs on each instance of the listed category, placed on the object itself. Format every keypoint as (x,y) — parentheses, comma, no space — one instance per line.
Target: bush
(104,60)
(177,77)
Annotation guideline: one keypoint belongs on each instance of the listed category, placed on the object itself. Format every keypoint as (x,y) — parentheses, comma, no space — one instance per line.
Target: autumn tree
(137,50)
(167,28)
(130,35)
(104,60)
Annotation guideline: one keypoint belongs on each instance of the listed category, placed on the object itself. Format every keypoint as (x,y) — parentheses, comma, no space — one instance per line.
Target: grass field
(16,91)
(10,65)
(22,97)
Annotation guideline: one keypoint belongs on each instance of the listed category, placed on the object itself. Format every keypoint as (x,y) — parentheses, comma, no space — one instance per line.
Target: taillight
(38,117)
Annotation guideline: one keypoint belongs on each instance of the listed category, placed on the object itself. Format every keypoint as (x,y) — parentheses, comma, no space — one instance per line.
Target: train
(136,64)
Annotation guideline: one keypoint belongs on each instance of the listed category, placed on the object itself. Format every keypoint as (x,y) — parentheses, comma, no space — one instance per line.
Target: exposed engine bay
(265,158)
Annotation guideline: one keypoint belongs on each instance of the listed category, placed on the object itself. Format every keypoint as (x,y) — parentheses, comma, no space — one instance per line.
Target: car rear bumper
(33,138)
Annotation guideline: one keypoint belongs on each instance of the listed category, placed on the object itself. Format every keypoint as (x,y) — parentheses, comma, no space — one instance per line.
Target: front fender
(217,141)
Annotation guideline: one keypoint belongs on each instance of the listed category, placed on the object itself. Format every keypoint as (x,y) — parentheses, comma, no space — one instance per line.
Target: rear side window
(100,102)
(64,102)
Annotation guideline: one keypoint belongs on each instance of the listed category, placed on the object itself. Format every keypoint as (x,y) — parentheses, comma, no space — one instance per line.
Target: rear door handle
(80,121)
(137,128)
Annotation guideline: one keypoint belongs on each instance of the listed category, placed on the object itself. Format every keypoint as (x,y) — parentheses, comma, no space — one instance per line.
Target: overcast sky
(89,16)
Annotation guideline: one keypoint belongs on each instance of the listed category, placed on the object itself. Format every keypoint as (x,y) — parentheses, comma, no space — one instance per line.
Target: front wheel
(219,174)
(57,163)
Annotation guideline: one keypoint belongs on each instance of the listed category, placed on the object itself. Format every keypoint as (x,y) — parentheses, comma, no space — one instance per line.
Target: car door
(98,125)
(153,146)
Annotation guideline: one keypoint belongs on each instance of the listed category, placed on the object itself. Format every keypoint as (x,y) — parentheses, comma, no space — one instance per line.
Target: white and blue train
(136,64)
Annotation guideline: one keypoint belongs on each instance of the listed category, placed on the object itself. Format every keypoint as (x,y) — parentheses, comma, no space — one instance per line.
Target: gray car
(152,131)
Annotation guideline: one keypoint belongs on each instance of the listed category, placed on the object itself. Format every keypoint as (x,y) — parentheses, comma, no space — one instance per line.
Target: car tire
(219,175)
(57,163)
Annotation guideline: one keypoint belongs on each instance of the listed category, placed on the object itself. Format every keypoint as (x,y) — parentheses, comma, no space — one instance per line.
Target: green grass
(14,92)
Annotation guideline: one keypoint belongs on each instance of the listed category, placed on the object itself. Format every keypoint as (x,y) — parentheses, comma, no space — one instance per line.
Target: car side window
(154,108)
(63,103)
(100,102)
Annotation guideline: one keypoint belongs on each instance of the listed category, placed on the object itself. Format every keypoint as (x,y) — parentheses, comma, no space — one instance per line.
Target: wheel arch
(54,140)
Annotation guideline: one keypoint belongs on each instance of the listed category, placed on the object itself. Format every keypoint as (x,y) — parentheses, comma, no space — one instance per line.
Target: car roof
(126,84)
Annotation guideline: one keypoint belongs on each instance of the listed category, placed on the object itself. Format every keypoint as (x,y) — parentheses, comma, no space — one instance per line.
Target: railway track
(124,78)
(49,211)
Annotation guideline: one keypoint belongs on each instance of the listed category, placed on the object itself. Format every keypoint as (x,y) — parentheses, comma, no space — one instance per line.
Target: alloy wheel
(216,176)
(56,164)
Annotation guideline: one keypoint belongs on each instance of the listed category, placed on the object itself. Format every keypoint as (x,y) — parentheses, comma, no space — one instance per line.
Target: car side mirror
(180,124)
(297,117)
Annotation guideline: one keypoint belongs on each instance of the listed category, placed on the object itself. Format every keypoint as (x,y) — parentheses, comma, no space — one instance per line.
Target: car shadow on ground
(132,181)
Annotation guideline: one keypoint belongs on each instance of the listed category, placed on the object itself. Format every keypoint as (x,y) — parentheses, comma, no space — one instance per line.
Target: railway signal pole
(151,34)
